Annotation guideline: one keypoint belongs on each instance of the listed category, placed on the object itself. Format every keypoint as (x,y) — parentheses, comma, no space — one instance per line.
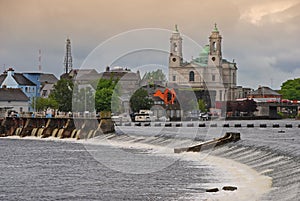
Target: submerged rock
(211,190)
(229,188)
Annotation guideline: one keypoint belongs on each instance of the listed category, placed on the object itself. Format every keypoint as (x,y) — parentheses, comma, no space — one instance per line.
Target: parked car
(164,119)
(204,116)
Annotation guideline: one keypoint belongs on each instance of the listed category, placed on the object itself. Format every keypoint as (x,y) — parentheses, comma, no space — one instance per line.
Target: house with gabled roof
(31,83)
(265,94)
(10,79)
(14,99)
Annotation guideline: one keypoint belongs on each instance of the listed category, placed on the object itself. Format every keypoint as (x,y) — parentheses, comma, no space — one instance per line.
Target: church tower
(215,50)
(175,58)
(68,57)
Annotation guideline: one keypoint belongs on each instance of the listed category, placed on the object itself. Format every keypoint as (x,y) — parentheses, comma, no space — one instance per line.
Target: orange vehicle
(168,96)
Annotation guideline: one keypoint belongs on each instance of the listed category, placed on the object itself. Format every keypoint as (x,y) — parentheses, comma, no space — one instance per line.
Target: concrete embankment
(78,128)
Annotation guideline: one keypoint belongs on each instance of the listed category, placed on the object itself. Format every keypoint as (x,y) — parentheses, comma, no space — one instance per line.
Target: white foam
(250,184)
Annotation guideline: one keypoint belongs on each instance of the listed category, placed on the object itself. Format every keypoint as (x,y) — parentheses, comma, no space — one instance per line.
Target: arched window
(192,76)
(175,47)
(214,46)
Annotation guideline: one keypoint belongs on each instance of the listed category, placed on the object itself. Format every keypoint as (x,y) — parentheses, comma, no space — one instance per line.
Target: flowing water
(140,165)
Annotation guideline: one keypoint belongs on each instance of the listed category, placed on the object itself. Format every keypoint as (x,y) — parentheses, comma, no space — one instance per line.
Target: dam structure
(79,128)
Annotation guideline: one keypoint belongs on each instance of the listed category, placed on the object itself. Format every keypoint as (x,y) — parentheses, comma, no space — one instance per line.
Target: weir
(78,128)
(228,137)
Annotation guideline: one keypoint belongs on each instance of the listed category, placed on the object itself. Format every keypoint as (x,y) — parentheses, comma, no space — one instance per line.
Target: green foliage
(103,96)
(83,99)
(157,75)
(140,100)
(202,105)
(62,94)
(42,104)
(290,89)
(280,114)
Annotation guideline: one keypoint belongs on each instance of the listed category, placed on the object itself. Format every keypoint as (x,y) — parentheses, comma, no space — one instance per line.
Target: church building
(208,72)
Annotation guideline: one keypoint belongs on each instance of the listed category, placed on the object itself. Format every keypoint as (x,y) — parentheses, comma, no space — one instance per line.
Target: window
(213,78)
(192,76)
(174,78)
(175,47)
(221,95)
(214,46)
(44,93)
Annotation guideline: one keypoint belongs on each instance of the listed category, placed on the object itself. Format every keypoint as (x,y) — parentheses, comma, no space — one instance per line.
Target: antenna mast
(40,60)
(68,57)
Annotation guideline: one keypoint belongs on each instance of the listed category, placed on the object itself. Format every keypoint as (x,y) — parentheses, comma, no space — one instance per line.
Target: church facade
(208,72)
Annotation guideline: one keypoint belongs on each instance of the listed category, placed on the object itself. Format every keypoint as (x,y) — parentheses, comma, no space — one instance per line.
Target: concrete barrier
(202,125)
(213,125)
(289,125)
(275,126)
(250,125)
(237,125)
(138,124)
(147,124)
(168,125)
(178,125)
(228,137)
(226,125)
(157,124)
(189,125)
(263,125)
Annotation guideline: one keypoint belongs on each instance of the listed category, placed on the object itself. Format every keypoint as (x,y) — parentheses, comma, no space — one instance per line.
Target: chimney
(10,72)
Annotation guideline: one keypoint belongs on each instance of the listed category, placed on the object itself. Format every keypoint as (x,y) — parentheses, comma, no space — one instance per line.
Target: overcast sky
(261,35)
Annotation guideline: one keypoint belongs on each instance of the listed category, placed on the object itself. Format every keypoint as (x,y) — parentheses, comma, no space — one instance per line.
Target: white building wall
(19,106)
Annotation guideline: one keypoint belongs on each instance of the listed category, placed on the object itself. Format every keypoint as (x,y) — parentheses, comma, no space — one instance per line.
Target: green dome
(203,56)
(204,51)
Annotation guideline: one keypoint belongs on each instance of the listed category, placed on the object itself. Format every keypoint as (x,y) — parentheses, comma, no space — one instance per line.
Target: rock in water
(211,190)
(229,188)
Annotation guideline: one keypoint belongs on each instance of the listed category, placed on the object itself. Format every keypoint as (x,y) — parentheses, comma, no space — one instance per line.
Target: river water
(139,164)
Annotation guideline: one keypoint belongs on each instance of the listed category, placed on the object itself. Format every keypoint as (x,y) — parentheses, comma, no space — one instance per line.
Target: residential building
(265,94)
(10,79)
(31,83)
(14,99)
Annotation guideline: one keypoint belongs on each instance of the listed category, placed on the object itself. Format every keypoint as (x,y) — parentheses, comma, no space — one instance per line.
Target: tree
(62,94)
(202,105)
(153,76)
(140,100)
(83,99)
(290,89)
(103,95)
(42,104)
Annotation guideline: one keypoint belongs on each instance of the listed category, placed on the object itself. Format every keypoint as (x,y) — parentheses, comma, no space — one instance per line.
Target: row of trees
(67,96)
(290,89)
(60,98)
